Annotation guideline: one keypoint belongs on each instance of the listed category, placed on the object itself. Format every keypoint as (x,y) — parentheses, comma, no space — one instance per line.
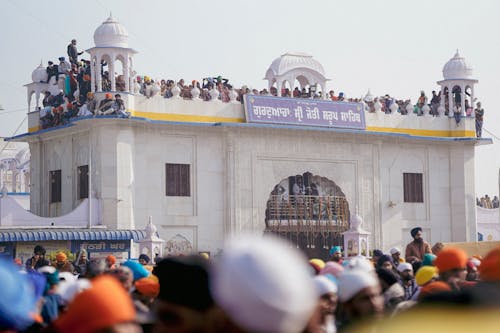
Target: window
(413,187)
(55,186)
(177,180)
(83,182)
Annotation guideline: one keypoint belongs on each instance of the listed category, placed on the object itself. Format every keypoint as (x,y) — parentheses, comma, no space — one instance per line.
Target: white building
(15,171)
(206,170)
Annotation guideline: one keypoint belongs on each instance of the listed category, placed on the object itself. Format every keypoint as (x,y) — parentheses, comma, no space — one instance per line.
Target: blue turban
(334,250)
(18,299)
(137,269)
(428,259)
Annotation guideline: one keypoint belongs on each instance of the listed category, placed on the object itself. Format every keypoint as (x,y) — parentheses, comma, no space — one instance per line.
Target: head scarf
(414,231)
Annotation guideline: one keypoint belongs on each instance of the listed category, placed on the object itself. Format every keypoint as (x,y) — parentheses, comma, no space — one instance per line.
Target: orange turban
(148,286)
(111,259)
(450,258)
(108,96)
(489,270)
(434,288)
(105,304)
(61,256)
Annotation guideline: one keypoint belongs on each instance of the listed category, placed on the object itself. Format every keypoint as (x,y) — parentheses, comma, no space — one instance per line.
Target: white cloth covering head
(394,250)
(353,281)
(361,263)
(69,289)
(404,266)
(263,285)
(324,285)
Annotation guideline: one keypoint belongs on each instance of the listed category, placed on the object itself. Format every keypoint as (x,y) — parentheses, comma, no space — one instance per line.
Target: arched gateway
(310,211)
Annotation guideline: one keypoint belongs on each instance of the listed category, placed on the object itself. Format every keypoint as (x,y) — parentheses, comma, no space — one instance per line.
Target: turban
(394,250)
(449,259)
(111,259)
(334,250)
(148,286)
(352,282)
(137,269)
(317,264)
(184,281)
(414,231)
(404,266)
(324,285)
(428,259)
(90,94)
(383,259)
(262,292)
(425,274)
(108,96)
(101,306)
(144,257)
(18,298)
(61,256)
(489,270)
(377,253)
(434,287)
(360,263)
(332,268)
(388,276)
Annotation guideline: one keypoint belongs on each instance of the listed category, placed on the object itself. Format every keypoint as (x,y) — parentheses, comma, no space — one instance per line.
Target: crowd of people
(258,284)
(487,202)
(75,94)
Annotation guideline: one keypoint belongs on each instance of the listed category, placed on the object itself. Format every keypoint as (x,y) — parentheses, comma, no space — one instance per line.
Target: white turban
(394,250)
(263,285)
(404,266)
(324,285)
(353,281)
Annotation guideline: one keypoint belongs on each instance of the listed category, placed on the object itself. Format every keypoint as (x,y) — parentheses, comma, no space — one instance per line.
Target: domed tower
(39,85)
(458,79)
(296,66)
(111,45)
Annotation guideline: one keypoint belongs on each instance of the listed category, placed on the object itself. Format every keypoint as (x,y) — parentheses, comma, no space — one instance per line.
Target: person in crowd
(144,259)
(472,272)
(396,256)
(62,264)
(335,254)
(138,270)
(145,292)
(317,265)
(38,259)
(452,266)
(495,202)
(407,281)
(73,52)
(417,248)
(118,107)
(88,108)
(105,106)
(124,275)
(385,261)
(46,118)
(47,99)
(52,71)
(52,301)
(360,297)
(376,256)
(185,301)
(81,263)
(324,316)
(422,100)
(64,67)
(110,262)
(58,99)
(255,290)
(392,290)
(436,248)
(479,113)
(428,259)
(435,101)
(332,268)
(104,307)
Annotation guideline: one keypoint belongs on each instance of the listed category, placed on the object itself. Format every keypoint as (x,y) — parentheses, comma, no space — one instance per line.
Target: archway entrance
(310,211)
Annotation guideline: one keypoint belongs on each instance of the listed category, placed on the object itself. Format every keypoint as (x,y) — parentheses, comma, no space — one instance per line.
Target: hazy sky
(391,47)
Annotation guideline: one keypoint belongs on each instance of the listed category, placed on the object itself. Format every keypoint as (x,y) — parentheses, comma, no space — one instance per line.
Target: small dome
(111,34)
(289,61)
(457,68)
(39,74)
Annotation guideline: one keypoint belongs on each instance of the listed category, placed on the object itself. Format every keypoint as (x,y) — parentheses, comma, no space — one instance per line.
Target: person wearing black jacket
(38,260)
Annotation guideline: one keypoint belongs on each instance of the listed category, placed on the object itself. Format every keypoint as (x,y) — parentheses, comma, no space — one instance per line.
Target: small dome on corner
(111,33)
(457,68)
(39,74)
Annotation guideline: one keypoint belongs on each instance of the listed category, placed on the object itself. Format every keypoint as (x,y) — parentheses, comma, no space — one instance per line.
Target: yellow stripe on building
(185,117)
(424,132)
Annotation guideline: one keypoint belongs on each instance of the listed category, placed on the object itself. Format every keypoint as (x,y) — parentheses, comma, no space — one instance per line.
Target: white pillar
(280,86)
(126,76)
(323,90)
(473,114)
(14,181)
(111,72)
(450,102)
(92,73)
(22,181)
(462,100)
(98,74)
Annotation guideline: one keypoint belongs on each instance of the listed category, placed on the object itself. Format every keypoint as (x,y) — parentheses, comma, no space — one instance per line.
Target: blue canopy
(78,234)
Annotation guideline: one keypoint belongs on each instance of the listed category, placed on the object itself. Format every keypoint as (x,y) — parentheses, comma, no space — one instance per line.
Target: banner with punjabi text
(305,112)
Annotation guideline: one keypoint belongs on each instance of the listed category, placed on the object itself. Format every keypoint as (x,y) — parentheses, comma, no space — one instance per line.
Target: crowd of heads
(487,202)
(256,285)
